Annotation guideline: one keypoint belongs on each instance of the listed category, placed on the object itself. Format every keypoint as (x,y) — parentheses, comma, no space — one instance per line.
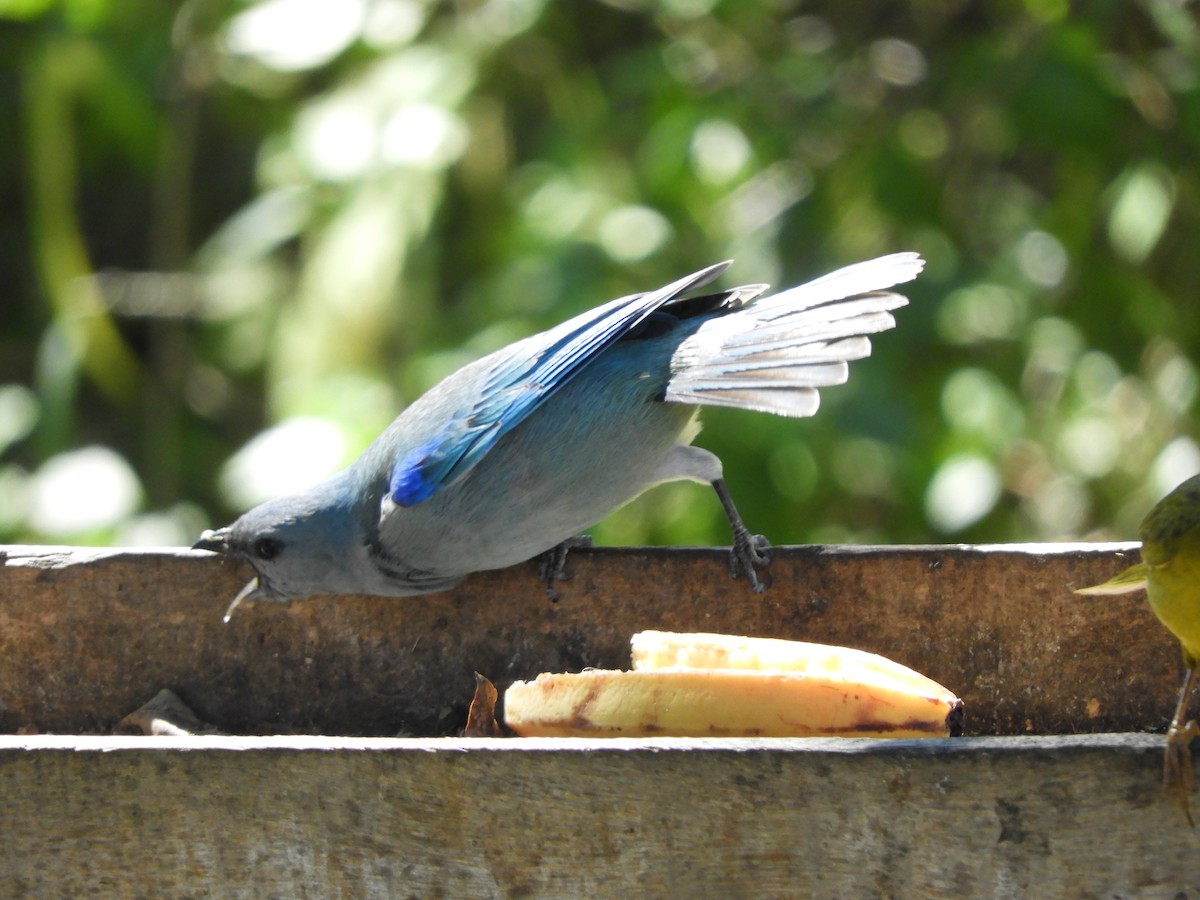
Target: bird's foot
(1177,764)
(552,565)
(748,553)
(749,550)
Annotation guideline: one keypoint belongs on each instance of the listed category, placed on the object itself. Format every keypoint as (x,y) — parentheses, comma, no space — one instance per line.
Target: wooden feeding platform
(332,769)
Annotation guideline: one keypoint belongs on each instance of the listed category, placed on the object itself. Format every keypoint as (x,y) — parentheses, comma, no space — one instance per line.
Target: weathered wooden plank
(87,636)
(1079,816)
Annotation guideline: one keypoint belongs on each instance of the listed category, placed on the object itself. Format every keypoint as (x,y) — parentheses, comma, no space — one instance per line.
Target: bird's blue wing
(535,369)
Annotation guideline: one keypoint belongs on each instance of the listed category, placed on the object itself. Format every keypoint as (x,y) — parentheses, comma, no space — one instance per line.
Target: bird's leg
(749,550)
(552,565)
(1177,763)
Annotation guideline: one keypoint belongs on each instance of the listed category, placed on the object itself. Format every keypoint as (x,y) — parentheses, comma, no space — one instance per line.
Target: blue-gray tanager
(514,454)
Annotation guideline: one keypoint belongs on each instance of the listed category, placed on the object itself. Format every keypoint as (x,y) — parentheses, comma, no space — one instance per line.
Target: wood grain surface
(1042,801)
(1065,816)
(88,636)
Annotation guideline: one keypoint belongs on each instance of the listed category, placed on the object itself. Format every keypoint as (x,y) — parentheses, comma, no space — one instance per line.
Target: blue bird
(514,454)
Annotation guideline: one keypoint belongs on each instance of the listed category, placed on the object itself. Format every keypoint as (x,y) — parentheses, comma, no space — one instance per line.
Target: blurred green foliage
(237,232)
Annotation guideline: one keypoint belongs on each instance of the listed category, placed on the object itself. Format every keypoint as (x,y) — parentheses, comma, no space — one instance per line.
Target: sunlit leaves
(1142,200)
(422,183)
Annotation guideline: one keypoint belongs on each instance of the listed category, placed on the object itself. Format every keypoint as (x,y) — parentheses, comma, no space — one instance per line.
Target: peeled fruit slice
(699,650)
(722,685)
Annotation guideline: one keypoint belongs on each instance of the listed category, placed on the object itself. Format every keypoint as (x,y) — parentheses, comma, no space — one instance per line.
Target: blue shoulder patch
(410,482)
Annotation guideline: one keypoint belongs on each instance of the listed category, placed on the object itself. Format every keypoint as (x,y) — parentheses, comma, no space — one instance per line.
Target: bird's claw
(1178,777)
(552,565)
(749,552)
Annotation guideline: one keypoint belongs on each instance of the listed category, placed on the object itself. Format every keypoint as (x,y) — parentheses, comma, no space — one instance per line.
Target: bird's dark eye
(267,548)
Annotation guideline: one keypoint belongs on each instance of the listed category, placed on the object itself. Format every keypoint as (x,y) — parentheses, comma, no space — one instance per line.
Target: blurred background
(237,238)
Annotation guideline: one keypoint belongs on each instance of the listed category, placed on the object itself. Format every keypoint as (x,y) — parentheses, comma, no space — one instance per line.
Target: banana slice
(700,650)
(721,685)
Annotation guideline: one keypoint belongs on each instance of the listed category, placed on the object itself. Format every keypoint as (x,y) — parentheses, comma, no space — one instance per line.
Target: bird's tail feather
(772,355)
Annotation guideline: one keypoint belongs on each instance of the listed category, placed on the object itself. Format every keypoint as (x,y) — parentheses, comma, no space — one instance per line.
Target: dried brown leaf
(481,719)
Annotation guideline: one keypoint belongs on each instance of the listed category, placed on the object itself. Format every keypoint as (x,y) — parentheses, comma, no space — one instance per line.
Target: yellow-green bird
(1170,573)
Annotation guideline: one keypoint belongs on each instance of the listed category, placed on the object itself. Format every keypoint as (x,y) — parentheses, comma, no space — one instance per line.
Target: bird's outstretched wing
(531,372)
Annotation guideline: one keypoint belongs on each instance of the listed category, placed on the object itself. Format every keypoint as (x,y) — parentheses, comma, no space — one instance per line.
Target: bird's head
(298,546)
(1173,525)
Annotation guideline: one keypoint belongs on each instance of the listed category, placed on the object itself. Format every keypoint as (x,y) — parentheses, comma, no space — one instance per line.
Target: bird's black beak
(215,540)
